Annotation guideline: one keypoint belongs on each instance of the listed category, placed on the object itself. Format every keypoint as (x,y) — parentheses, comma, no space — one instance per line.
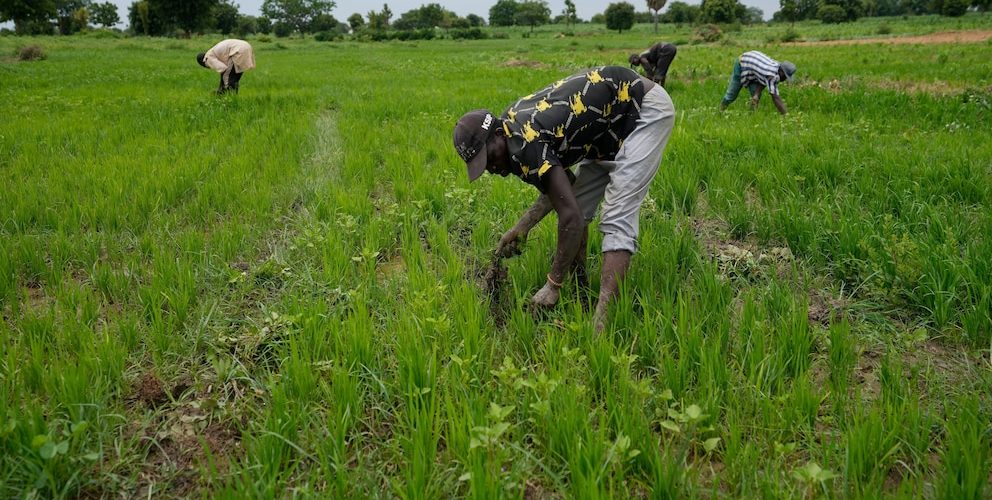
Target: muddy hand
(509,244)
(546,296)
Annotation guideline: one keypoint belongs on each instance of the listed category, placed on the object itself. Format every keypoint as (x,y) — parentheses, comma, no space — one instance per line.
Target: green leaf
(666,395)
(672,426)
(694,412)
(47,450)
(62,448)
(711,444)
(92,457)
(464,477)
(39,440)
(79,428)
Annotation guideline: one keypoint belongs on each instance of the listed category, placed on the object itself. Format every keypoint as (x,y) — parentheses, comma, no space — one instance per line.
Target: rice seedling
(283,292)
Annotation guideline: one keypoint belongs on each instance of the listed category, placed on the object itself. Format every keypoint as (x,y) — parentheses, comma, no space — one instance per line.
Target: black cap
(472,132)
(201,59)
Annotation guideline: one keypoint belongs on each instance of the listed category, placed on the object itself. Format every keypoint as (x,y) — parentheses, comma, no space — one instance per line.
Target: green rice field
(280,293)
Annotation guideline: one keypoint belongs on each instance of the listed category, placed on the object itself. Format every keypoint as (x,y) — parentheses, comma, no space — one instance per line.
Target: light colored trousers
(622,183)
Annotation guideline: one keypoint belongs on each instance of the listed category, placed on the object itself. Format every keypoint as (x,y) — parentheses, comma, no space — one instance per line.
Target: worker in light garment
(655,61)
(609,123)
(758,72)
(231,58)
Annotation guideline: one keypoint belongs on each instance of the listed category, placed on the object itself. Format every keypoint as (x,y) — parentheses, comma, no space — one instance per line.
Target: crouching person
(612,126)
(231,58)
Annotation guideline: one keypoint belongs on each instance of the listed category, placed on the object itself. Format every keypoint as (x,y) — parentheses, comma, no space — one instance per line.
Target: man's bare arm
(779,103)
(509,244)
(756,98)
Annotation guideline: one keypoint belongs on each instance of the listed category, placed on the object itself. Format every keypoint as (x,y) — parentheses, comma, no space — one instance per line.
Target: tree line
(285,17)
(837,11)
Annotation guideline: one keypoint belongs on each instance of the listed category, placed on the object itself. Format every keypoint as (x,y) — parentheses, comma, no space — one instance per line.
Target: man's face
(497,156)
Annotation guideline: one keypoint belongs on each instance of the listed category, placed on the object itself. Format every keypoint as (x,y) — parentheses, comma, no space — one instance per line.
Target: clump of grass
(707,33)
(790,35)
(31,53)
(884,29)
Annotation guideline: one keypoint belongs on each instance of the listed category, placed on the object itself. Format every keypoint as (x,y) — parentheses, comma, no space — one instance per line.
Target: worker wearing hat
(758,72)
(612,125)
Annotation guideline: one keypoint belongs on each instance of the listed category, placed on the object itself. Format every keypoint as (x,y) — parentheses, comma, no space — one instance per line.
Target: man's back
(586,115)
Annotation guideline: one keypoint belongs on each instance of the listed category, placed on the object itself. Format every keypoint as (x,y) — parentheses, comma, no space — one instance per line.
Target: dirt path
(971,36)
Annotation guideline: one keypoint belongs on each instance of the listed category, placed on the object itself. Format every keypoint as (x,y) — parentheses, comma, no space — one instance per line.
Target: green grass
(278,293)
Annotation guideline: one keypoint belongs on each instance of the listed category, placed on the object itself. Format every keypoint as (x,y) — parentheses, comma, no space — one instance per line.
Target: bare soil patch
(523,63)
(971,36)
(150,390)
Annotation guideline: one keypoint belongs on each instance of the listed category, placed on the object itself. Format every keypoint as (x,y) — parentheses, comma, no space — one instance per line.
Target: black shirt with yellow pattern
(587,115)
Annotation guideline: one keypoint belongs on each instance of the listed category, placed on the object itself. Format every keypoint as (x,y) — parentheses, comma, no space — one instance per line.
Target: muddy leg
(615,266)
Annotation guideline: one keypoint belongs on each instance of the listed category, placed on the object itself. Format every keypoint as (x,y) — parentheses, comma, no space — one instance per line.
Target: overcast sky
(345,8)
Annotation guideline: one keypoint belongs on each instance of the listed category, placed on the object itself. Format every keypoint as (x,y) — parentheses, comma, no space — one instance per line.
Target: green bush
(707,33)
(325,36)
(884,29)
(468,34)
(790,35)
(832,14)
(282,30)
(954,8)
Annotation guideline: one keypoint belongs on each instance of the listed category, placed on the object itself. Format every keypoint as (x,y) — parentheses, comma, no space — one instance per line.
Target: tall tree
(188,15)
(503,13)
(29,16)
(569,13)
(296,13)
(356,21)
(475,20)
(619,16)
(681,13)
(656,5)
(68,15)
(789,10)
(105,14)
(226,16)
(387,14)
(722,11)
(145,18)
(532,13)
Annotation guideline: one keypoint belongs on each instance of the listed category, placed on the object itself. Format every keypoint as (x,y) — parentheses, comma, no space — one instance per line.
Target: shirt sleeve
(214,63)
(536,159)
(772,85)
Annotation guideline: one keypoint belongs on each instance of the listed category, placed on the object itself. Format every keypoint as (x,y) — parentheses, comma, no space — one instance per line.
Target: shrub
(103,33)
(884,29)
(468,34)
(790,35)
(265,39)
(31,53)
(325,36)
(954,8)
(832,14)
(282,30)
(707,33)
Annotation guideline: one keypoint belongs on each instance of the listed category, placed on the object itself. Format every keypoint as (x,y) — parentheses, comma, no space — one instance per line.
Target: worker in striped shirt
(758,72)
